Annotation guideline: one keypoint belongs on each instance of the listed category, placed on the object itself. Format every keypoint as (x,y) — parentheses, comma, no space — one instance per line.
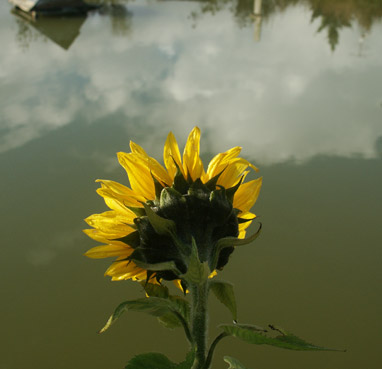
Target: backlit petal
(247,194)
(110,223)
(220,161)
(171,155)
(129,197)
(106,251)
(192,164)
(139,174)
(155,168)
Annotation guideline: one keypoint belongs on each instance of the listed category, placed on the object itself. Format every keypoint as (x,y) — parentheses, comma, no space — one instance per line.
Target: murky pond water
(299,87)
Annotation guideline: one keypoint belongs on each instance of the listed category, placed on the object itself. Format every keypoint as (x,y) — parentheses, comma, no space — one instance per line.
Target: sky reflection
(287,97)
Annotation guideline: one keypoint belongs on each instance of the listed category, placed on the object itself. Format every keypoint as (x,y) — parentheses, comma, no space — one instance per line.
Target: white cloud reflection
(285,97)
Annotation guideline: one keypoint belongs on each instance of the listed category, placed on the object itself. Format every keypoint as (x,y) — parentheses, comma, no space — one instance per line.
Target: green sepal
(197,272)
(149,275)
(251,334)
(156,290)
(233,363)
(132,239)
(225,294)
(158,188)
(230,242)
(198,189)
(184,287)
(157,267)
(230,192)
(242,220)
(139,212)
(172,203)
(180,183)
(155,360)
(211,184)
(162,226)
(218,195)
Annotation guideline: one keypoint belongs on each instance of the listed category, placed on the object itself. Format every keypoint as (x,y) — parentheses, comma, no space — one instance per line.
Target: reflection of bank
(35,20)
(52,7)
(62,31)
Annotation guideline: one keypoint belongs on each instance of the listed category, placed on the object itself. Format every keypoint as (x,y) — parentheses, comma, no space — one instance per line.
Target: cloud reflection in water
(284,97)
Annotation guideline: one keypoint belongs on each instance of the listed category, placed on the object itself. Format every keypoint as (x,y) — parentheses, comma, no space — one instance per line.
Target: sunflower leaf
(188,361)
(181,306)
(233,363)
(154,306)
(170,321)
(251,334)
(150,360)
(225,294)
(155,360)
(177,304)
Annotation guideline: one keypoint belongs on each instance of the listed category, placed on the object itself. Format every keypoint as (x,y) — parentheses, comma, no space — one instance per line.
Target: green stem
(199,317)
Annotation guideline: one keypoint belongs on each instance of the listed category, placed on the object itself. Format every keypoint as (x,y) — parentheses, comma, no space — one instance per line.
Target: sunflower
(153,225)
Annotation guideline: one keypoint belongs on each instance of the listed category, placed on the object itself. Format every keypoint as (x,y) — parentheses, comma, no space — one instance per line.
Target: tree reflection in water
(333,16)
(119,14)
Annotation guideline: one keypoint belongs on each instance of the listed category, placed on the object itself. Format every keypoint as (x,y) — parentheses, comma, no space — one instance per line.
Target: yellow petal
(135,148)
(192,164)
(220,161)
(247,194)
(235,169)
(155,168)
(100,252)
(118,267)
(117,190)
(102,237)
(244,226)
(96,235)
(139,174)
(114,202)
(242,234)
(125,270)
(111,223)
(170,154)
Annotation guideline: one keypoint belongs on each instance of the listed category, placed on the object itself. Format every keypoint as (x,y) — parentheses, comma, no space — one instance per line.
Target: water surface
(299,87)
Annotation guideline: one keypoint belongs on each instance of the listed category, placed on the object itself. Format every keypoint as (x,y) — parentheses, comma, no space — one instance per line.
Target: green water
(299,88)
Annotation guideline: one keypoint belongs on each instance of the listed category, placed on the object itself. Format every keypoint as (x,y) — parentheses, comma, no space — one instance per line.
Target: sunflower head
(154,226)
